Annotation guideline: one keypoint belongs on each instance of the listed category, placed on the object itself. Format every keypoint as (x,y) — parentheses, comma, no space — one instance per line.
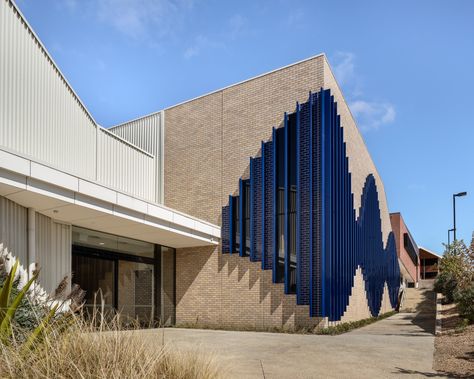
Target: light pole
(459,194)
(449,241)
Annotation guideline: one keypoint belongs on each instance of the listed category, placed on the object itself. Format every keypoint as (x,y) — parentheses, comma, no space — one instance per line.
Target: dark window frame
(115,257)
(411,248)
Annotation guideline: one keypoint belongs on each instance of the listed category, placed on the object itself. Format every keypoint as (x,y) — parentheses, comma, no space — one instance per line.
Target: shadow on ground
(425,317)
(402,371)
(450,317)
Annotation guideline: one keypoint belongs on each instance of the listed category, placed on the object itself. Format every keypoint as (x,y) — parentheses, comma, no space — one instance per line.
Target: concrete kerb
(438,328)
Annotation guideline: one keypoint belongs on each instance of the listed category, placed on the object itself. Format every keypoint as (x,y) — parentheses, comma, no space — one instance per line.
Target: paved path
(399,347)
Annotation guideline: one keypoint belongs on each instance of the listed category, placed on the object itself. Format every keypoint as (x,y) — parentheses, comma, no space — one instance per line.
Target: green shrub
(465,300)
(456,270)
(345,327)
(455,259)
(446,283)
(10,303)
(439,282)
(28,312)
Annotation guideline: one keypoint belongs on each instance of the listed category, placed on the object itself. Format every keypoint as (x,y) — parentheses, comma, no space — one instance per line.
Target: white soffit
(72,200)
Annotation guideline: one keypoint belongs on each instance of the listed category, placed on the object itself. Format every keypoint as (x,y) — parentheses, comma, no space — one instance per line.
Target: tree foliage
(464,298)
(456,277)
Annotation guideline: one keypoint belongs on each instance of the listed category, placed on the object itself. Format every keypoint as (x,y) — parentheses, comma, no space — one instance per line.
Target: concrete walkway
(400,346)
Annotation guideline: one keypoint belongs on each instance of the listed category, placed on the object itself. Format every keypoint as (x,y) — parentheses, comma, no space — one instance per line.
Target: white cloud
(237,25)
(200,43)
(100,65)
(191,51)
(295,17)
(70,4)
(142,19)
(372,115)
(344,68)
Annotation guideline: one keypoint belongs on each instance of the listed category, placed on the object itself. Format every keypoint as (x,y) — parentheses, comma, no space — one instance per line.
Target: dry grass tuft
(101,349)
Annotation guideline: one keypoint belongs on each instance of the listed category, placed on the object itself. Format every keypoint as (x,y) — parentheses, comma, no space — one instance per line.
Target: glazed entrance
(123,275)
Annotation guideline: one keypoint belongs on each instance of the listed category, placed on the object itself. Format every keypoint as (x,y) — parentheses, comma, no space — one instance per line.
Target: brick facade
(410,271)
(227,291)
(208,142)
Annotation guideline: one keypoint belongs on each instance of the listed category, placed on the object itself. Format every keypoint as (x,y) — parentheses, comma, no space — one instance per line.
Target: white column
(161,158)
(31,252)
(162,300)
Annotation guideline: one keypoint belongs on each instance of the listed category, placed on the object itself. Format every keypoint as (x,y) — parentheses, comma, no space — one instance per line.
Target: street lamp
(449,241)
(459,194)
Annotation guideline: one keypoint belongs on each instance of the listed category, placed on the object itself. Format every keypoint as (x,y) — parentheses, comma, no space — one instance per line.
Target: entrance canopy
(80,202)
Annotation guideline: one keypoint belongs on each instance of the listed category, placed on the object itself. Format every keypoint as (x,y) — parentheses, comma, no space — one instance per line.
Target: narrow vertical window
(244,218)
(291,167)
(280,204)
(236,222)
(246,215)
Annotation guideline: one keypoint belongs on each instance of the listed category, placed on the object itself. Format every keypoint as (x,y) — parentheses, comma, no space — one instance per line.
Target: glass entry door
(135,278)
(96,276)
(136,291)
(124,283)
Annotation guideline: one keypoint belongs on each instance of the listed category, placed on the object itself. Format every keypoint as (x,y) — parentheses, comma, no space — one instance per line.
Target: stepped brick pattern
(336,242)
(224,278)
(208,142)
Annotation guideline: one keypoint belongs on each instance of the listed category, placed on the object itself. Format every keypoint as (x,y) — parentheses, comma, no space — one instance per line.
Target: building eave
(70,199)
(429,251)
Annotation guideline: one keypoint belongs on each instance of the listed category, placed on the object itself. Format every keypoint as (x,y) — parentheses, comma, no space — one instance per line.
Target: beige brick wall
(208,142)
(228,291)
(386,306)
(251,110)
(193,157)
(223,290)
(358,307)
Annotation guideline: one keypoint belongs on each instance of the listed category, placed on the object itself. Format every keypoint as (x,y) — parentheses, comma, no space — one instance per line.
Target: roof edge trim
(247,80)
(220,89)
(430,251)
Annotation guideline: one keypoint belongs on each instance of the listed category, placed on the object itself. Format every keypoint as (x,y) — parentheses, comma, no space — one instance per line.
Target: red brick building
(407,251)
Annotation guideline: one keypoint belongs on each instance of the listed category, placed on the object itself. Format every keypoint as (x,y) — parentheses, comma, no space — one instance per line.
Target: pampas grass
(99,348)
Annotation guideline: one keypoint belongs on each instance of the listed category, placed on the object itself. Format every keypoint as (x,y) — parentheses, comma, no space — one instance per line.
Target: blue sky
(406,68)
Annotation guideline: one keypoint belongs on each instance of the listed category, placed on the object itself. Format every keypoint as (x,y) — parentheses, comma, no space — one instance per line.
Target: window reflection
(106,241)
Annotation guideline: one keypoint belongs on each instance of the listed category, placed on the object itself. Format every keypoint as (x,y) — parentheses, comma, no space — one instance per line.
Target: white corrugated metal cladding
(52,242)
(147,133)
(43,119)
(13,232)
(53,251)
(115,157)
